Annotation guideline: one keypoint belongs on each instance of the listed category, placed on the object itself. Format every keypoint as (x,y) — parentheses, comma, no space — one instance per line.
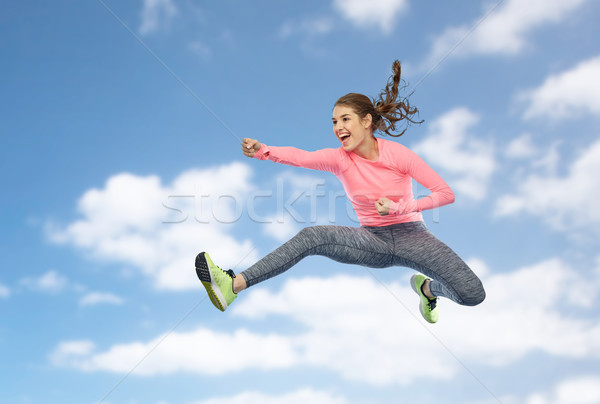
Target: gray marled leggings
(405,244)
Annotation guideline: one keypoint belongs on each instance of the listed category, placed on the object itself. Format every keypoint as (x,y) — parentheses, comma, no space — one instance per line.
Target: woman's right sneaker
(218,283)
(427,307)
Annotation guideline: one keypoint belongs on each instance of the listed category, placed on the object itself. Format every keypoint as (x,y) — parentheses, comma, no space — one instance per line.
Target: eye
(346,119)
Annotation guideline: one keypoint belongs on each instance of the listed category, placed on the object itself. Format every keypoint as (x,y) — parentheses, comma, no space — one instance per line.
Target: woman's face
(350,130)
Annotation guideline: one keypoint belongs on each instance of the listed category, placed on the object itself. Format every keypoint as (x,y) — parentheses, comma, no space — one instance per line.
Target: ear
(367,121)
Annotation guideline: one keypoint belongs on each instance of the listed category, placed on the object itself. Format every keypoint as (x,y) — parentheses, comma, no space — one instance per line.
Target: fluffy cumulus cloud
(156,15)
(158,228)
(302,396)
(566,94)
(340,331)
(375,13)
(171,353)
(533,157)
(583,390)
(280,229)
(65,352)
(565,201)
(522,147)
(579,390)
(504,31)
(467,160)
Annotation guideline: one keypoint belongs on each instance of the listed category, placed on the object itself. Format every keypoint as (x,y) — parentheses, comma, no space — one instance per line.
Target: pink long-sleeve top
(366,181)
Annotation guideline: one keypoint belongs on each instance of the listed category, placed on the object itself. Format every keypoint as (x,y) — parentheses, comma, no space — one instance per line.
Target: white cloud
(584,390)
(380,14)
(50,282)
(156,15)
(564,201)
(468,160)
(522,147)
(548,160)
(510,323)
(354,327)
(302,396)
(4,291)
(580,390)
(375,13)
(280,229)
(343,316)
(566,94)
(95,298)
(504,31)
(69,353)
(524,150)
(183,352)
(158,228)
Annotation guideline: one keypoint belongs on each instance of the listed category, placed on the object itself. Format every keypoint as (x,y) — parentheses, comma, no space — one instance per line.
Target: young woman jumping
(377,177)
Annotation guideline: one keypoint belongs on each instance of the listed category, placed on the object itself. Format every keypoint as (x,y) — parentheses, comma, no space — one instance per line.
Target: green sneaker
(427,307)
(218,283)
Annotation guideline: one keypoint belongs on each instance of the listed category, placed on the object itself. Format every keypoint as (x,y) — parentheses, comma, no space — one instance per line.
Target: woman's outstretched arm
(330,160)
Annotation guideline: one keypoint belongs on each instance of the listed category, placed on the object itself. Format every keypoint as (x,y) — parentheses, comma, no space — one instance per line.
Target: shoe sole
(412,285)
(205,275)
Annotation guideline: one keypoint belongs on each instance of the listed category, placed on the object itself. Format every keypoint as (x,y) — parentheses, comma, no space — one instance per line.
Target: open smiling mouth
(344,136)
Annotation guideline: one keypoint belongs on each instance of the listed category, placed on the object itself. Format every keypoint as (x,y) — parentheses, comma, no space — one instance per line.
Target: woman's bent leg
(416,247)
(350,245)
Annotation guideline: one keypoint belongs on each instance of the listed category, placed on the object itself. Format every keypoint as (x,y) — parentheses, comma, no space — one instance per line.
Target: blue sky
(120,160)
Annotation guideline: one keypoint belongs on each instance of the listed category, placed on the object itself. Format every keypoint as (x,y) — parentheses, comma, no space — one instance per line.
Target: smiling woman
(377,176)
(387,110)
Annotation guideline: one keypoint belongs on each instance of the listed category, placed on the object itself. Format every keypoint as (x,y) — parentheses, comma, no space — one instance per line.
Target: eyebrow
(340,116)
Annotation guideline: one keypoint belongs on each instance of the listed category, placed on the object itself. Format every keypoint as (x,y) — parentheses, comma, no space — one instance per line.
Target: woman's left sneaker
(218,283)
(427,307)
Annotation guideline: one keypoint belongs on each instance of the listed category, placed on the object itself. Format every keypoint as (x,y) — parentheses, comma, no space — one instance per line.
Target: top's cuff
(401,208)
(263,152)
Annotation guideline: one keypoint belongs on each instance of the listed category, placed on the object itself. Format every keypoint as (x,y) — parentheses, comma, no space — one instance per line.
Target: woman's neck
(368,150)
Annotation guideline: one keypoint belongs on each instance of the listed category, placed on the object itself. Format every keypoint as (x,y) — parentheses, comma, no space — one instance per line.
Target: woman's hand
(383,206)
(250,146)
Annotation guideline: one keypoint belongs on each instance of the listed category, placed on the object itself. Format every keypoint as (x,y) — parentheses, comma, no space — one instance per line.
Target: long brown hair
(387,110)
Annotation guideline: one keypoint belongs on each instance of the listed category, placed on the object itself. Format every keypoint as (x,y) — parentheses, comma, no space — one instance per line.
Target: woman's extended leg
(350,245)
